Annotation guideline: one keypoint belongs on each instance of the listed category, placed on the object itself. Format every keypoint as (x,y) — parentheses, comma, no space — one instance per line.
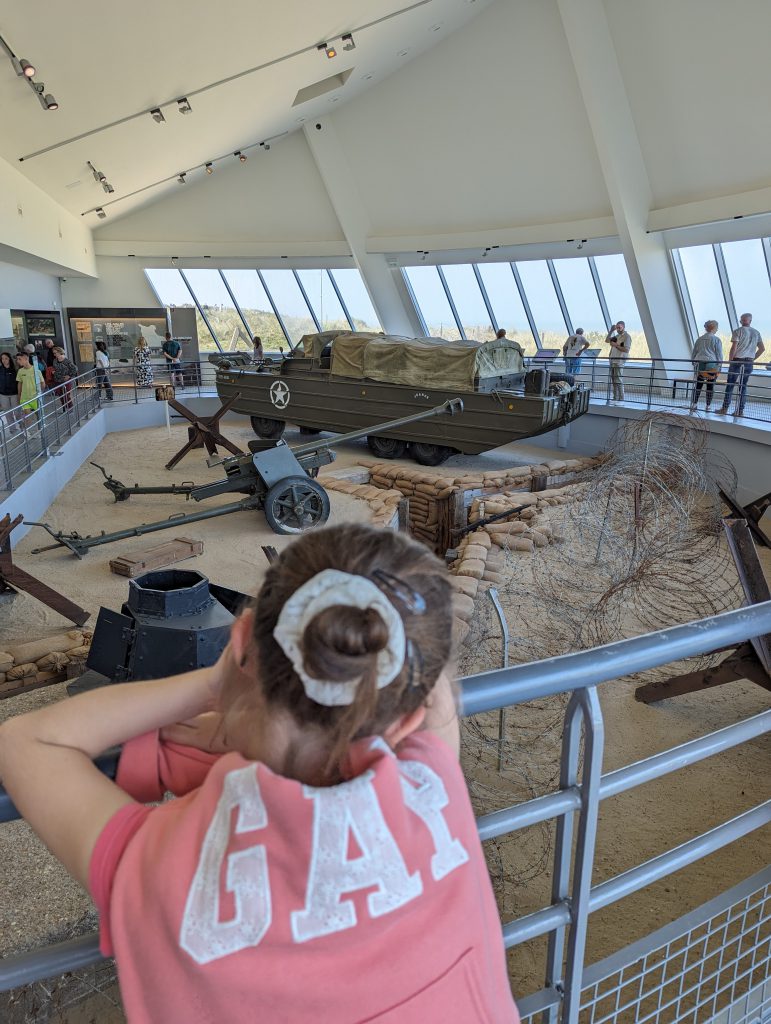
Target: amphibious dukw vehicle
(345,381)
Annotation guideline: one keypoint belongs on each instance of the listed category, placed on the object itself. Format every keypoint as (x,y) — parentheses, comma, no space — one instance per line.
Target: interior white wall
(121,283)
(21,288)
(33,224)
(484,133)
(274,204)
(698,79)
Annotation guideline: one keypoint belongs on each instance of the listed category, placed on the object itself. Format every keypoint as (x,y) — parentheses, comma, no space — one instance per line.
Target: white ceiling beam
(384,283)
(618,147)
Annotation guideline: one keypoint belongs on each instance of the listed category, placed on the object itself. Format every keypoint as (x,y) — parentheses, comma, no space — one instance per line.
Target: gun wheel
(296,504)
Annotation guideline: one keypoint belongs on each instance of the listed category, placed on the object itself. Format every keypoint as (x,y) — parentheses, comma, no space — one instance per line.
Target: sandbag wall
(43,662)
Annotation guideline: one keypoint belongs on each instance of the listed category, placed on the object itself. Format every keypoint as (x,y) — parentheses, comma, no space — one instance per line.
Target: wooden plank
(157,556)
(752,579)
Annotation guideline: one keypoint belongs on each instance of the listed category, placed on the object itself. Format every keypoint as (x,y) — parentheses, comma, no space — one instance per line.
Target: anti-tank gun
(274,477)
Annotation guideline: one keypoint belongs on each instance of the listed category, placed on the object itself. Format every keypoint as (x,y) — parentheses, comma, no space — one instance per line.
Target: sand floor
(38,903)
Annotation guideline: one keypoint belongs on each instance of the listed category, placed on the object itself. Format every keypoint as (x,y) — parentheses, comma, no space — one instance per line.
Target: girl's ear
(404,727)
(241,636)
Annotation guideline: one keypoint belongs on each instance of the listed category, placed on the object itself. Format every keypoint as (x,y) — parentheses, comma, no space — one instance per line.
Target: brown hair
(342,642)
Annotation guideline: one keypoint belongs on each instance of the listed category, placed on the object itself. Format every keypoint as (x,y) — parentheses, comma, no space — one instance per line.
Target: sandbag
(54,662)
(22,671)
(36,649)
(6,661)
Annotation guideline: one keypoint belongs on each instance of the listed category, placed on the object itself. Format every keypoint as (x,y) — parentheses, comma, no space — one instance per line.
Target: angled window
(580,296)
(170,287)
(464,288)
(289,302)
(323,300)
(619,298)
(748,276)
(219,309)
(543,302)
(357,300)
(507,305)
(432,301)
(704,291)
(255,307)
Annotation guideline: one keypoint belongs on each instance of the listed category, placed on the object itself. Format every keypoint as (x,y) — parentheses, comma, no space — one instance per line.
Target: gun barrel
(450,408)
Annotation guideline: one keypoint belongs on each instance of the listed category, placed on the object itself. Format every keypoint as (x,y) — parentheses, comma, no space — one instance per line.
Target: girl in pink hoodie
(321,861)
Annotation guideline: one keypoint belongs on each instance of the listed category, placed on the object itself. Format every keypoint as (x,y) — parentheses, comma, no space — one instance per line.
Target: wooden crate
(156,557)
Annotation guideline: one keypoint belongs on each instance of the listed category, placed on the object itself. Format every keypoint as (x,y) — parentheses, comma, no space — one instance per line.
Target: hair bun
(342,642)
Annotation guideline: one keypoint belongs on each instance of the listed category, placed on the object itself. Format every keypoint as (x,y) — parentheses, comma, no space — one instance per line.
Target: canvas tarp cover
(453,365)
(314,344)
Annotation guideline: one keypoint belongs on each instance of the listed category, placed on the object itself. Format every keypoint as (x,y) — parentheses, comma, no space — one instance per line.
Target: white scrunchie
(324,590)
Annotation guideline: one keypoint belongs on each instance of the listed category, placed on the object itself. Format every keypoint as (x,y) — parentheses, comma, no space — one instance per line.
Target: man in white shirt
(620,346)
(746,347)
(573,349)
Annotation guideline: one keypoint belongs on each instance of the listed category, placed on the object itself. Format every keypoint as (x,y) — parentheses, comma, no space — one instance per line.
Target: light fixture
(181,178)
(183,105)
(27,69)
(347,40)
(157,115)
(108,188)
(265,146)
(403,53)
(47,101)
(327,48)
(50,102)
(100,213)
(210,168)
(241,156)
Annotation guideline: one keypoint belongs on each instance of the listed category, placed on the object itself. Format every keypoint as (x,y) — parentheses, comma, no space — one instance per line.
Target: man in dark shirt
(171,349)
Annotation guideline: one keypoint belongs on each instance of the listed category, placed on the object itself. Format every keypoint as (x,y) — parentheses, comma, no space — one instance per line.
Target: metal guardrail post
(650,382)
(594,735)
(492,593)
(571,746)
(6,459)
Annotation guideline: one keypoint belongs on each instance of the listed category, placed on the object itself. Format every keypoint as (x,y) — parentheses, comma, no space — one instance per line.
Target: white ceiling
(105,62)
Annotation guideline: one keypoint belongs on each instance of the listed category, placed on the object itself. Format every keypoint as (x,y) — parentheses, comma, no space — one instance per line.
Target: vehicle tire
(430,454)
(296,504)
(310,430)
(267,428)
(386,447)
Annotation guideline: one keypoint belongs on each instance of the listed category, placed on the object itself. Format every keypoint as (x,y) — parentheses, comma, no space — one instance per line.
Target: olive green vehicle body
(310,396)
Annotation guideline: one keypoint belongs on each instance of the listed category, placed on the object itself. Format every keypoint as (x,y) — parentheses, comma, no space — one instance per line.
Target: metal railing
(674,384)
(572,990)
(28,438)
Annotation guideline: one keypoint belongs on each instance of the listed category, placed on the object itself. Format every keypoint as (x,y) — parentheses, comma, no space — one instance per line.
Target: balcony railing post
(4,438)
(650,381)
(594,732)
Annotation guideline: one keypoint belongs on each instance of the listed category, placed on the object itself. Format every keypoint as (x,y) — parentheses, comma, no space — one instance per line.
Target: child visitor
(321,862)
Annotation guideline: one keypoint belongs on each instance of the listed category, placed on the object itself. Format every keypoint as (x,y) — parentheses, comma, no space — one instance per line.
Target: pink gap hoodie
(255,898)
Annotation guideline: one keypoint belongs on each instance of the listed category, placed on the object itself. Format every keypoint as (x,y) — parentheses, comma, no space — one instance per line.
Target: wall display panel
(704,289)
(323,300)
(290,303)
(464,288)
(580,296)
(357,300)
(170,287)
(543,302)
(748,276)
(212,296)
(432,302)
(255,307)
(620,300)
(507,305)
(120,330)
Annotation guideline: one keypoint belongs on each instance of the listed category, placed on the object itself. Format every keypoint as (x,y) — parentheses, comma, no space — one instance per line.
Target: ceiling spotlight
(210,168)
(100,213)
(347,41)
(183,105)
(241,156)
(157,115)
(328,49)
(107,188)
(181,178)
(50,102)
(265,146)
(27,69)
